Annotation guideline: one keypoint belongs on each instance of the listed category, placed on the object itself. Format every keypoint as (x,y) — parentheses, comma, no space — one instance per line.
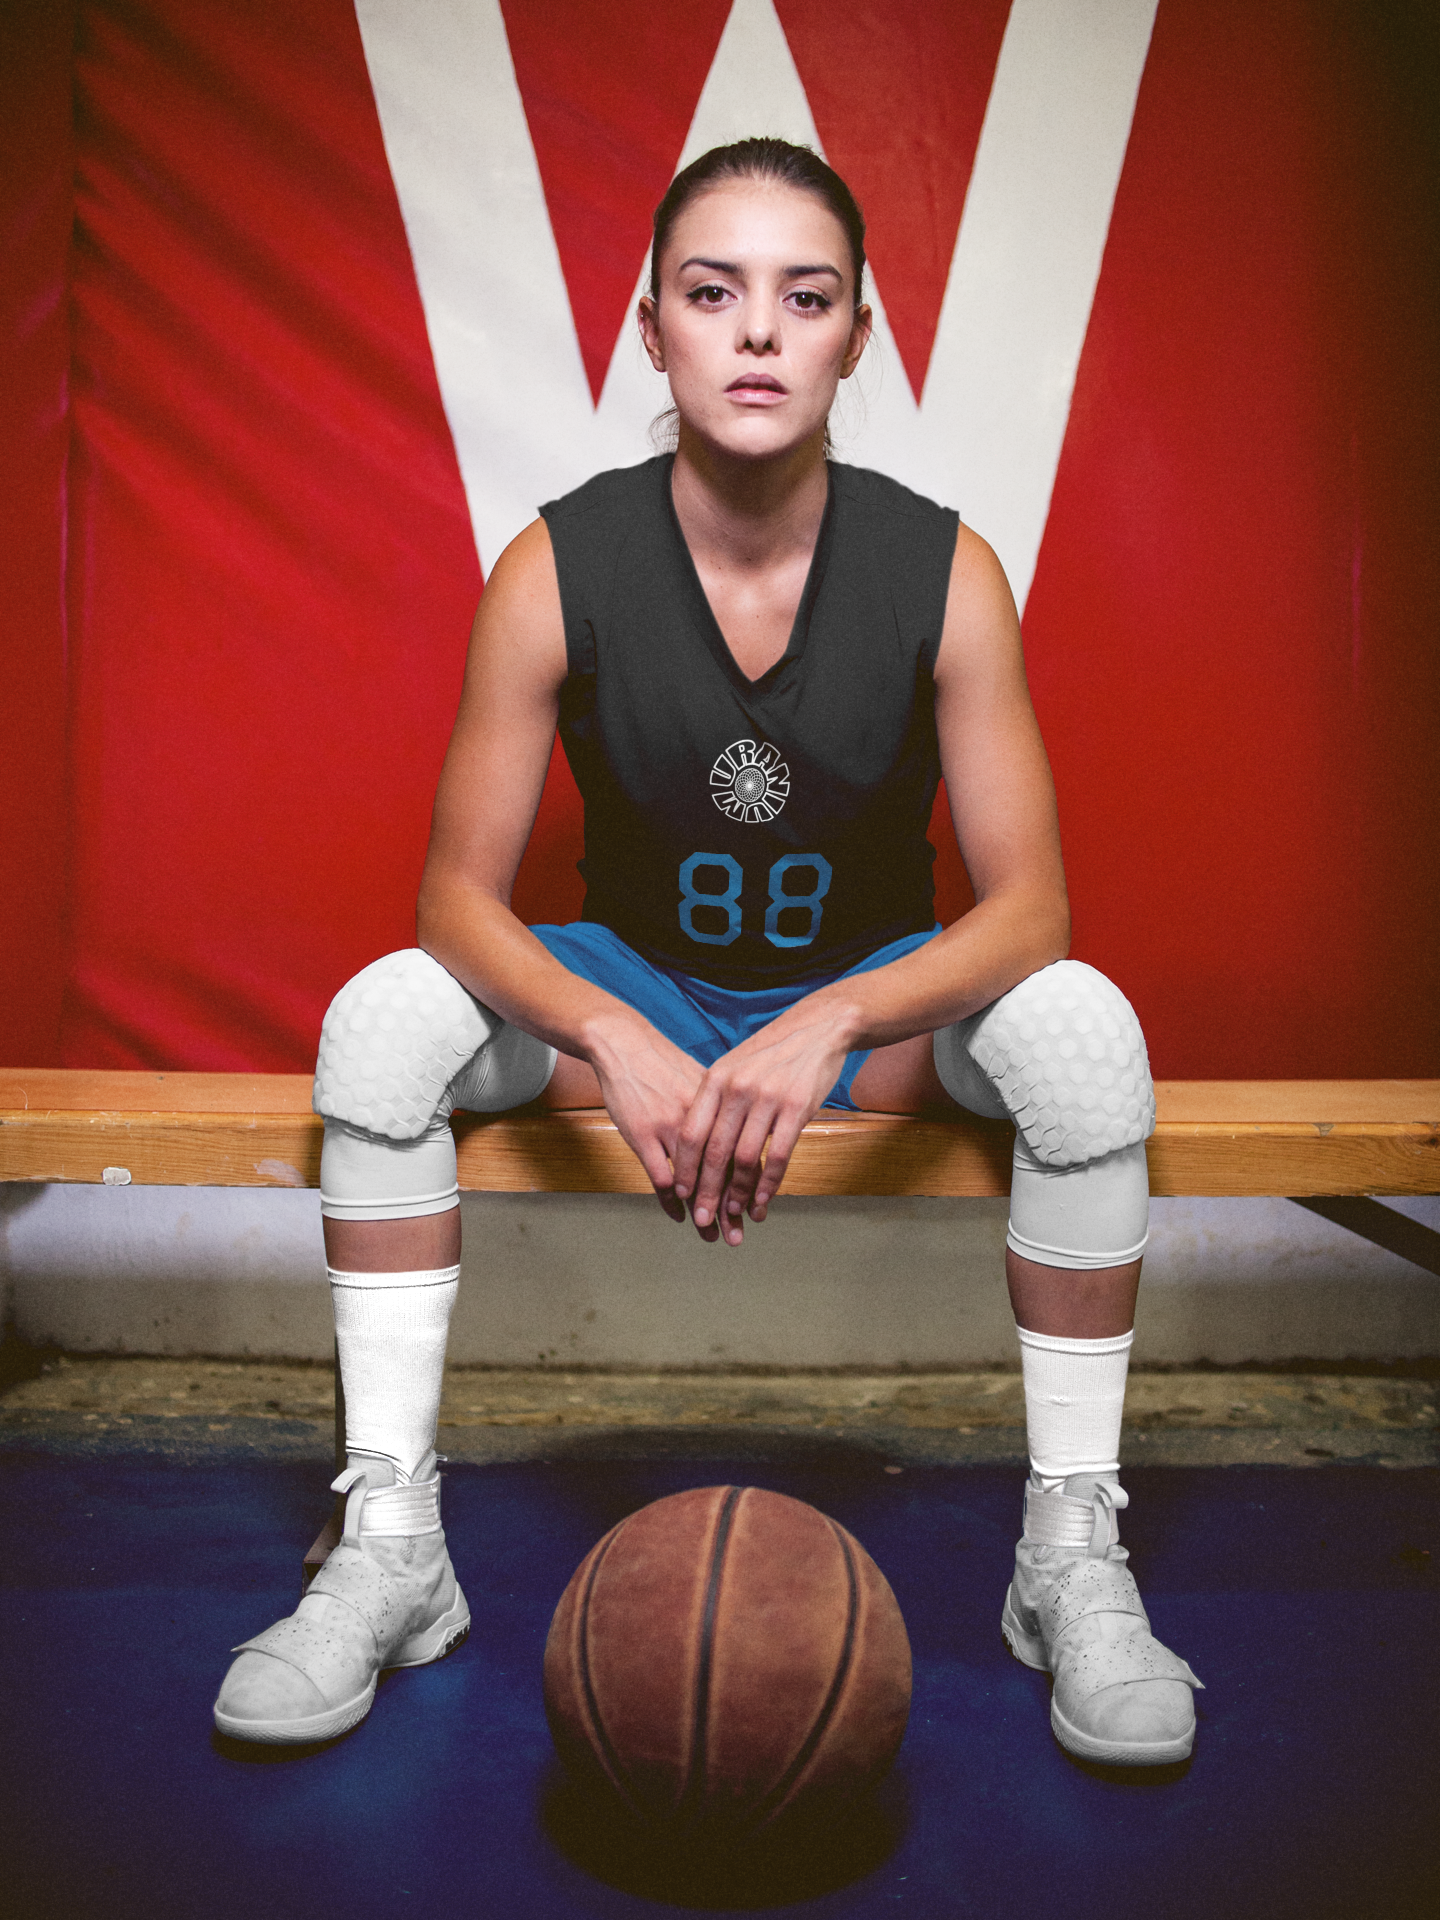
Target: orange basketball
(726,1656)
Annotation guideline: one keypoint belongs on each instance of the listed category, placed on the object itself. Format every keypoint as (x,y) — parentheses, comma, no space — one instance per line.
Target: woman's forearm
(1001,941)
(476,937)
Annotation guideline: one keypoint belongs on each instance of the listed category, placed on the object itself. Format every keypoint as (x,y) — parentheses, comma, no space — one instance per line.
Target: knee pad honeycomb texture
(1065,1053)
(394,1038)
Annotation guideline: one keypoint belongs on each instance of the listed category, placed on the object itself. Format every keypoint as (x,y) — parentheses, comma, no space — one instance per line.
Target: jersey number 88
(717,901)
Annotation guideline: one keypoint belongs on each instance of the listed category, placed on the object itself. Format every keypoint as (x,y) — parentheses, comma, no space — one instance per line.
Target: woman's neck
(748,514)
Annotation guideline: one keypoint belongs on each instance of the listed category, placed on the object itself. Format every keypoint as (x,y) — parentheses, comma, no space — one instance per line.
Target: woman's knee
(402,1046)
(1063,1056)
(365,1176)
(393,1040)
(1088,1217)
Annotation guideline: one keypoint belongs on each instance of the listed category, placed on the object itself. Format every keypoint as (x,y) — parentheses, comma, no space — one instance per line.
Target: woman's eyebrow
(737,272)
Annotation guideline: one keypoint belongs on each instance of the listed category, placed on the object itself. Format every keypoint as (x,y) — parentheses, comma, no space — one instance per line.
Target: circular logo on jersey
(749,782)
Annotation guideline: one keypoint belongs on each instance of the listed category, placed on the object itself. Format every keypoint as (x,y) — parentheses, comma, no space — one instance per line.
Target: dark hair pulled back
(762,159)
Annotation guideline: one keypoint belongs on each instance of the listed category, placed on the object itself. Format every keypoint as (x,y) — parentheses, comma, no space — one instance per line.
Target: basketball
(726,1657)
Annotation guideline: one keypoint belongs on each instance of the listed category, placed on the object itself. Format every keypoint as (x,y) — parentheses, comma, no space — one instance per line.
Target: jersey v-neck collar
(709,626)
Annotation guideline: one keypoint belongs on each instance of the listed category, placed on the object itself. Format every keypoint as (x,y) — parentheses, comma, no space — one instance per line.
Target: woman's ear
(648,316)
(860,332)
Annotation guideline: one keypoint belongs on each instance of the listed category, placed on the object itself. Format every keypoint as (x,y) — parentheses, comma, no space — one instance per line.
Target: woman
(760,663)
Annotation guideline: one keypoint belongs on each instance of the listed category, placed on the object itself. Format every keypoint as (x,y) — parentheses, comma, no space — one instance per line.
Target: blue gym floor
(1304,1599)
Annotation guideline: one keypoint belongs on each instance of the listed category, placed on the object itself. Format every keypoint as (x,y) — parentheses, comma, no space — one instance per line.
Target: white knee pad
(511,1068)
(1063,1055)
(404,1044)
(1094,1215)
(959,1075)
(364,1176)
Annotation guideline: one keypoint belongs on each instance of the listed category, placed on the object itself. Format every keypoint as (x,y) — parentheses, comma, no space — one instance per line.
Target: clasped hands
(715,1142)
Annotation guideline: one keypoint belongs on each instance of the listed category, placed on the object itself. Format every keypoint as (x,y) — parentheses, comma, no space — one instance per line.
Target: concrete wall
(605,1280)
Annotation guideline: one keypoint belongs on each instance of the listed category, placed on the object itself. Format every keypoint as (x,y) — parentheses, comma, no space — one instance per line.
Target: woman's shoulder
(891,523)
(876,494)
(619,490)
(887,529)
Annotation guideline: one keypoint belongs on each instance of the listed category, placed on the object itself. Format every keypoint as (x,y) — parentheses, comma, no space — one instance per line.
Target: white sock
(390,1332)
(1074,1397)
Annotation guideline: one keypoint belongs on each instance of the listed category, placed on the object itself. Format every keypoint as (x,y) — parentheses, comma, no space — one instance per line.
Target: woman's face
(756,322)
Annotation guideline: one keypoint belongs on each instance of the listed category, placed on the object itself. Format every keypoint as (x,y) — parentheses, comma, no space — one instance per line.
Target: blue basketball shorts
(702,1020)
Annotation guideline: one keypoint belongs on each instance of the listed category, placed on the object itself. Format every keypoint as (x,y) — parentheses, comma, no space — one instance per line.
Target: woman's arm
(485,807)
(1002,801)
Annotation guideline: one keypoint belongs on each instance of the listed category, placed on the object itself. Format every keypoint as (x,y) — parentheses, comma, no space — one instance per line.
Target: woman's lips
(756,390)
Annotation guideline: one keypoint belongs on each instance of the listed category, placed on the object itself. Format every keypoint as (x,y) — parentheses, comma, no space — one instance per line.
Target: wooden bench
(1326,1143)
(1281,1137)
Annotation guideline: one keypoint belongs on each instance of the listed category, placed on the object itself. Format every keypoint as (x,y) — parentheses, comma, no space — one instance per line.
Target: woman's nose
(759,329)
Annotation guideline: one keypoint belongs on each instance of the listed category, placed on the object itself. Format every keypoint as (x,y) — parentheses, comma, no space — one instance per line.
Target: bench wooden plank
(82,1089)
(837,1154)
(1217,1102)
(1287,1158)
(1312,1102)
(1213,1137)
(176,1149)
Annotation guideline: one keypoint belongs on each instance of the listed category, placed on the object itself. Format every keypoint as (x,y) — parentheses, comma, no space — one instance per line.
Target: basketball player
(760,663)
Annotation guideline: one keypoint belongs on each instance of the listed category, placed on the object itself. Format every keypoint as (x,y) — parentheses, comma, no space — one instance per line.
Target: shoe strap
(1087,1664)
(402,1511)
(1065,1520)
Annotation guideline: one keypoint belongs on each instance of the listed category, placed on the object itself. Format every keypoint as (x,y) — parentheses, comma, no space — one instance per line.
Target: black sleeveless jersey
(753,833)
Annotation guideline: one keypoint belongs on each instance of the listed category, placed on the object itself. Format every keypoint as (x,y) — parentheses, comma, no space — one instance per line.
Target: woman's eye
(708,296)
(808,301)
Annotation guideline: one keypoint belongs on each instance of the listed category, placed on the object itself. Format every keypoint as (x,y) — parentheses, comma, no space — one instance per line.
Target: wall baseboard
(605,1280)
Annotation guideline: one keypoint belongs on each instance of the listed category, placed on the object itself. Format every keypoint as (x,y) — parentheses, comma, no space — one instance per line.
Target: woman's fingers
(649,1149)
(747,1161)
(725,1135)
(713,1183)
(703,1144)
(761,1159)
(692,1141)
(735,1159)
(652,1121)
(670,1204)
(709,1234)
(783,1136)
(649,1089)
(739,1136)
(716,1149)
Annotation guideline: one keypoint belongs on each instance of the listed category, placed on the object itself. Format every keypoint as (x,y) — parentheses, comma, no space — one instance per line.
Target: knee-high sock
(1074,1397)
(390,1332)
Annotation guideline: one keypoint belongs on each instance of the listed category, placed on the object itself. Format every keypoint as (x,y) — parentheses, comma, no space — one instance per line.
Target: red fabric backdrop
(1232,631)
(271,567)
(36,168)
(271,572)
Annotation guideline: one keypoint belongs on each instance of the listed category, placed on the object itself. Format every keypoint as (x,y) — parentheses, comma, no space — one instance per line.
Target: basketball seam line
(779,1792)
(608,1755)
(699,1739)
